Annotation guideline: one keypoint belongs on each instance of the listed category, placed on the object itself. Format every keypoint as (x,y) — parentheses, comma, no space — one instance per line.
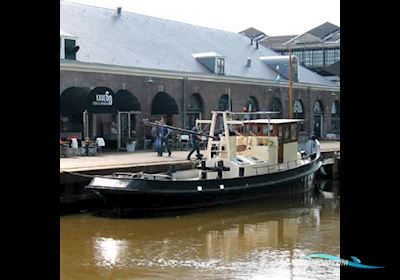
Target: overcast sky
(273,17)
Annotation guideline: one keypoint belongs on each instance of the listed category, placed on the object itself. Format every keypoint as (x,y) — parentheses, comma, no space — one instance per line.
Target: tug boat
(244,160)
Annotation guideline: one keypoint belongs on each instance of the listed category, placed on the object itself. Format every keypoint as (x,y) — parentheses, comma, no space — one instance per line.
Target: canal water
(257,240)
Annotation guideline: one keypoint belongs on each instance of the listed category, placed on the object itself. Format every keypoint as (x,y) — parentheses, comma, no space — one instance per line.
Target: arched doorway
(298,112)
(128,107)
(335,117)
(194,110)
(164,105)
(318,118)
(276,106)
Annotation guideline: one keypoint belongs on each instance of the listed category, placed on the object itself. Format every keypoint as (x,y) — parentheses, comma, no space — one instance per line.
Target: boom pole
(149,123)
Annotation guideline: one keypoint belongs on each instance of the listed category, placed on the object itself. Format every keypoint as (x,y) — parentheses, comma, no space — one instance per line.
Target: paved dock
(121,160)
(107,160)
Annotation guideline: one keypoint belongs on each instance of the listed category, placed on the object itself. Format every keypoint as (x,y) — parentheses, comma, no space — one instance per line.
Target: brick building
(117,68)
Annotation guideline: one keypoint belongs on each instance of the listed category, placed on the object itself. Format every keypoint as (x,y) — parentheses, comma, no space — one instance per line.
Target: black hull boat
(153,194)
(228,175)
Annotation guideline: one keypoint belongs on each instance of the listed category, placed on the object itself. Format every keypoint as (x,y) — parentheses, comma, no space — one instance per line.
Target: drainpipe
(184,102)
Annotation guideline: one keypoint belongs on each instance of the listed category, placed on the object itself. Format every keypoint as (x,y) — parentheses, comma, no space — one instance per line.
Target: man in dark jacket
(195,143)
(164,134)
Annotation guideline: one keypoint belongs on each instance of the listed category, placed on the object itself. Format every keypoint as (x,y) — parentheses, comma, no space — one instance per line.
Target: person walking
(195,138)
(164,135)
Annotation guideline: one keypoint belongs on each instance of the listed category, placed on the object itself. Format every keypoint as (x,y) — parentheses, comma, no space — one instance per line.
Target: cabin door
(317,126)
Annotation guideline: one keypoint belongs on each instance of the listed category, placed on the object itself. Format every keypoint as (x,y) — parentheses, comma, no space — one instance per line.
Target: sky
(273,17)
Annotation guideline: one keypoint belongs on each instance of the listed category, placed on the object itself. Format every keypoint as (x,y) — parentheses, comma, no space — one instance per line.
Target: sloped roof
(334,68)
(134,40)
(276,41)
(251,32)
(323,30)
(324,33)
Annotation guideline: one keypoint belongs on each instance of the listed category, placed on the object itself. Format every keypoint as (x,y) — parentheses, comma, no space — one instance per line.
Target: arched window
(252,106)
(318,107)
(223,103)
(318,119)
(298,112)
(335,116)
(194,110)
(276,106)
(196,102)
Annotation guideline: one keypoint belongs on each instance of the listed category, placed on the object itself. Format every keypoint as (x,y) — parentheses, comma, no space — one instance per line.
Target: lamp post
(290,86)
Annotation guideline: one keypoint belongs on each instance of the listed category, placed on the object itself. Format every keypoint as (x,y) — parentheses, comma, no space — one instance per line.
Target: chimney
(248,62)
(119,9)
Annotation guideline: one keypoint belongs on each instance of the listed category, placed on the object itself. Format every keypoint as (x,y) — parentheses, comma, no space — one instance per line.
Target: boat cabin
(281,135)
(268,141)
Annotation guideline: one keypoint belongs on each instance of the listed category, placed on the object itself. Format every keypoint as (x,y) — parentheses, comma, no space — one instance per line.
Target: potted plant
(131,142)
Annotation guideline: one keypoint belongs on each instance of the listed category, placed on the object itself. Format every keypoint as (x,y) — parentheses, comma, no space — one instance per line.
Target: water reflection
(109,252)
(258,240)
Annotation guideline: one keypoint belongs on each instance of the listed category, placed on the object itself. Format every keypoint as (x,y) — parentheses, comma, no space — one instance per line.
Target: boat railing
(282,166)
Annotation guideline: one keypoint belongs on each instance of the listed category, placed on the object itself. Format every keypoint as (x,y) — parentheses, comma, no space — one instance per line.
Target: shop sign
(105,99)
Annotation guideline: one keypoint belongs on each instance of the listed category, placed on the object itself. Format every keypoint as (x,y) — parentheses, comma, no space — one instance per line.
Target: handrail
(302,162)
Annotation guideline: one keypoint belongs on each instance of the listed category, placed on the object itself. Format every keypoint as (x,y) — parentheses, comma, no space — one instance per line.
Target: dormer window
(68,47)
(220,66)
(214,62)
(280,64)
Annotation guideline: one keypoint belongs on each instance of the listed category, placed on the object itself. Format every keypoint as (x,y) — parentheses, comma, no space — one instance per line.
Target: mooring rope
(79,174)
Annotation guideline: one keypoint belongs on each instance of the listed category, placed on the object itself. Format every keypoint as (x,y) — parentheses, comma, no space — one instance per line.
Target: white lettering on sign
(103,99)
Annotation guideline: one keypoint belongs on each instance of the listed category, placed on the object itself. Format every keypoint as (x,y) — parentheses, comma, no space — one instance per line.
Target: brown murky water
(258,240)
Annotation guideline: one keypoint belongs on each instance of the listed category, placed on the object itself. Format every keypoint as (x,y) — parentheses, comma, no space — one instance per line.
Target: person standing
(156,133)
(195,138)
(164,135)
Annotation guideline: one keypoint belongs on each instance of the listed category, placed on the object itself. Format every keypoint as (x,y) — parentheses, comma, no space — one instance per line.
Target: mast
(290,86)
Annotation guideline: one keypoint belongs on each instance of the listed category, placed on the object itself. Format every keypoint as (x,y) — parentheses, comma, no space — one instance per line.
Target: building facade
(317,49)
(117,69)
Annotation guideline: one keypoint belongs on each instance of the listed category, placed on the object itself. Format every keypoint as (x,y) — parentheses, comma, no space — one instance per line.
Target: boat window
(287,133)
(265,129)
(294,132)
(255,129)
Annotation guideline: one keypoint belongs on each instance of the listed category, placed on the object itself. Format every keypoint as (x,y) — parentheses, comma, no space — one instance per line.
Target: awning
(164,104)
(126,101)
(73,100)
(76,100)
